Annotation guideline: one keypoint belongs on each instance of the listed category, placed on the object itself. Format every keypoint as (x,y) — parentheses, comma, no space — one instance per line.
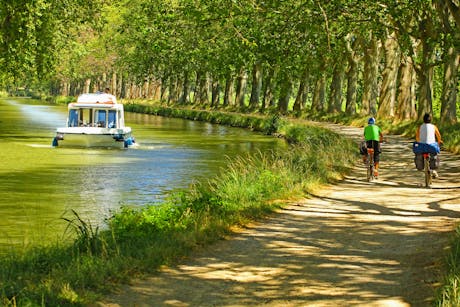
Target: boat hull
(93,137)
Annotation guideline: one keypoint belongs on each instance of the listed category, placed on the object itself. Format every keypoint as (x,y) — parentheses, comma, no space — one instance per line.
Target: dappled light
(353,243)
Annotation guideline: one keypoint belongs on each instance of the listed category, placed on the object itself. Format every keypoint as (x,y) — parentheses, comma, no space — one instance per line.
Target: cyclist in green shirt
(373,136)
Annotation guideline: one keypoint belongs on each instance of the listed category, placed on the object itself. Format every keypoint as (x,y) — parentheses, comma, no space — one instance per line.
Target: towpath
(353,244)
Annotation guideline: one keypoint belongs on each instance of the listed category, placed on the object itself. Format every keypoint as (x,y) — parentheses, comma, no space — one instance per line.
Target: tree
(33,31)
(389,77)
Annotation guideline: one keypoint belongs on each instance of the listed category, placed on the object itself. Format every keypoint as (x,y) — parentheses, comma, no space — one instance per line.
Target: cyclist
(428,133)
(373,136)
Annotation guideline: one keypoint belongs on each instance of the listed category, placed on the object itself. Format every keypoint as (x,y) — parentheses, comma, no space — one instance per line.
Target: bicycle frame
(370,164)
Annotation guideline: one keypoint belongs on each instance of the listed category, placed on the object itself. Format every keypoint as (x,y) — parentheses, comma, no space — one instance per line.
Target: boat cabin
(96,110)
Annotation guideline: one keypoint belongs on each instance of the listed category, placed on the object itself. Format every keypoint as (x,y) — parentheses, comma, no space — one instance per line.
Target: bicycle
(370,164)
(425,158)
(426,170)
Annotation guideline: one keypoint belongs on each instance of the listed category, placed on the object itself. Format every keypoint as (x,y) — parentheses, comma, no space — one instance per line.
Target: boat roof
(101,98)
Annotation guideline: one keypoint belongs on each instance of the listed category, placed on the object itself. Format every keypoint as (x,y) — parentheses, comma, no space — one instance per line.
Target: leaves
(33,31)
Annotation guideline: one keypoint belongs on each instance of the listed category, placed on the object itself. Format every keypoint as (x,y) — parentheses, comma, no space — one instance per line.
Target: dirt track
(353,244)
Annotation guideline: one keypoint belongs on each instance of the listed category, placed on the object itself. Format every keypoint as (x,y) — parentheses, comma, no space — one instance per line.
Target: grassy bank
(139,241)
(268,125)
(449,293)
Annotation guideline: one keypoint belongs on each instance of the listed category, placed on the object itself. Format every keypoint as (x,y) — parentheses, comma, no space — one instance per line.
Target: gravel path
(353,244)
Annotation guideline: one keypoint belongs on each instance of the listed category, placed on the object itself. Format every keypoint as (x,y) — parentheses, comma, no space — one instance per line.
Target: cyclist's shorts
(376,146)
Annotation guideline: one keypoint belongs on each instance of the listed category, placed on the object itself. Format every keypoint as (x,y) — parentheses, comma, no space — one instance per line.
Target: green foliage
(451,137)
(449,293)
(33,32)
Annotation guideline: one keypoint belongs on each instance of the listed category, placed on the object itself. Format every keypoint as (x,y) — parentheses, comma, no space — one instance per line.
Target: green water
(39,184)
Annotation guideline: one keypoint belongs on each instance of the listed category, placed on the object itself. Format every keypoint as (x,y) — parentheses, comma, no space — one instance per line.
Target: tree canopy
(391,59)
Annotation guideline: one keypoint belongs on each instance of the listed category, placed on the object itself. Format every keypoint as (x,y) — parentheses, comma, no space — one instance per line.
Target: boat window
(73,118)
(112,119)
(101,118)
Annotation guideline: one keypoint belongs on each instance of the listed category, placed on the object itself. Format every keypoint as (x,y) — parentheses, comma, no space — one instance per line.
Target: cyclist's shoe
(434,174)
(376,174)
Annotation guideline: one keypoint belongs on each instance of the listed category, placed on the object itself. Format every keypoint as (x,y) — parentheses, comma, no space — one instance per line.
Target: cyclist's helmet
(371,121)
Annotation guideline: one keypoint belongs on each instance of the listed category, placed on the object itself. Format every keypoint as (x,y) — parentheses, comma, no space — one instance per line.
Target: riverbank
(139,242)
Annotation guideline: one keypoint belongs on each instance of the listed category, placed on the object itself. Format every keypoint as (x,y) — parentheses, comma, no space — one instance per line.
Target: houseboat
(95,120)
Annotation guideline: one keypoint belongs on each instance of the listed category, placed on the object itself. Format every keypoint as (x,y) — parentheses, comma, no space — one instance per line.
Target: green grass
(139,241)
(449,293)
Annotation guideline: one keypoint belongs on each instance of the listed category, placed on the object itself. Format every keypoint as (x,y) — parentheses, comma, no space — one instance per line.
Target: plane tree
(33,32)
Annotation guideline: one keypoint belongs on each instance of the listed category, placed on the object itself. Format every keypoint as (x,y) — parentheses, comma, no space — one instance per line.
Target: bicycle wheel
(370,168)
(426,170)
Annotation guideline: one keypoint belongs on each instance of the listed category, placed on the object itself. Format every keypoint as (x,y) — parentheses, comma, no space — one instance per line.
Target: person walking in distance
(373,136)
(428,133)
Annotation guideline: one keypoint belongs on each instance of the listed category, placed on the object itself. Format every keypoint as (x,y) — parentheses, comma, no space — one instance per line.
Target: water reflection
(39,183)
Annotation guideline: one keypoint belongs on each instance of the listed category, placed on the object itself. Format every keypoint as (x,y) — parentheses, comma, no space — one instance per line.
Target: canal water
(40,184)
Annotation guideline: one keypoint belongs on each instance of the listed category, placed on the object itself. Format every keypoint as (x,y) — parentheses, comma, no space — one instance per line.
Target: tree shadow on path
(353,244)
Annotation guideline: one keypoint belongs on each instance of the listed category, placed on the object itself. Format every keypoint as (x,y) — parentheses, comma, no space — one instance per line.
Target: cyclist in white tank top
(428,133)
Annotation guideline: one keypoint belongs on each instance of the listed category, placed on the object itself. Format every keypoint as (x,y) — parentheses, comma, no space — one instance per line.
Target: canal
(40,184)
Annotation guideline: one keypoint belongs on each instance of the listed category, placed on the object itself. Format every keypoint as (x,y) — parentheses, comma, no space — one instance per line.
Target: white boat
(95,120)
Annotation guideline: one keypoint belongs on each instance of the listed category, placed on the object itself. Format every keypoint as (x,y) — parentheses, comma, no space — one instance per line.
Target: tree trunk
(184,97)
(201,90)
(228,93)
(301,97)
(256,86)
(319,94)
(173,90)
(121,86)
(370,78)
(145,88)
(405,96)
(425,71)
(157,89)
(335,93)
(352,82)
(64,89)
(87,85)
(133,92)
(285,95)
(128,89)
(267,90)
(104,84)
(113,86)
(352,43)
(164,82)
(425,80)
(450,89)
(241,88)
(215,93)
(387,98)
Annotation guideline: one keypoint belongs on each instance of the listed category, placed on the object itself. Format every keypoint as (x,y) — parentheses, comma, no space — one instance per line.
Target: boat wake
(149,146)
(39,145)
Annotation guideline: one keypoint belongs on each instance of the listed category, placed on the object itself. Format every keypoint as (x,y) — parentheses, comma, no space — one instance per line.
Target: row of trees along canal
(390,59)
